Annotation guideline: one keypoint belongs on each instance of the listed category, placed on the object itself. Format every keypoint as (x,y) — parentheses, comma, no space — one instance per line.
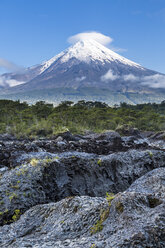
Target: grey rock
(6,136)
(126,130)
(58,191)
(59,139)
(61,144)
(101,144)
(136,219)
(50,179)
(3,169)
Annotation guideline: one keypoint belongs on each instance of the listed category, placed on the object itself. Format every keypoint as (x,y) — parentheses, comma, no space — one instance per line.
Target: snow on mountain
(91,50)
(86,64)
(89,61)
(87,51)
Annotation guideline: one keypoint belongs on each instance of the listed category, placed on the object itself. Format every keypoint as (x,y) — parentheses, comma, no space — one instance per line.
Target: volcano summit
(86,70)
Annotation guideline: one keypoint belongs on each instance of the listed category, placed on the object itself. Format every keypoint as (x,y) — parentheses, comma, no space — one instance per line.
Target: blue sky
(35,30)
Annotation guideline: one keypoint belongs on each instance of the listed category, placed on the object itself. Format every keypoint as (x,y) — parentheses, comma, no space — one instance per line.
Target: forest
(45,120)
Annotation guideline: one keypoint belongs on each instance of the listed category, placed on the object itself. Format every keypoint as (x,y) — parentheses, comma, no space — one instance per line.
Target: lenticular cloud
(101,38)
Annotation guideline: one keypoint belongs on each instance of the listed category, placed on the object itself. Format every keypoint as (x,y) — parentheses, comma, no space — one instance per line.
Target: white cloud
(9,66)
(97,36)
(6,82)
(12,82)
(130,77)
(154,81)
(109,76)
(79,79)
(93,35)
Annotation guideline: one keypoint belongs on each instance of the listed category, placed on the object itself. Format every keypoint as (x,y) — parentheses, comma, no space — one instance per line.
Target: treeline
(43,119)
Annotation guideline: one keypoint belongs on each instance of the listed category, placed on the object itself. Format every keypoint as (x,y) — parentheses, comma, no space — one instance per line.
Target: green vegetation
(109,198)
(21,171)
(9,219)
(13,196)
(15,186)
(34,161)
(45,162)
(93,246)
(99,162)
(16,215)
(98,227)
(45,120)
(150,154)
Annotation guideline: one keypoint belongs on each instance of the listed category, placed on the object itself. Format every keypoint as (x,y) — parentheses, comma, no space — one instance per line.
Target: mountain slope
(85,65)
(8,80)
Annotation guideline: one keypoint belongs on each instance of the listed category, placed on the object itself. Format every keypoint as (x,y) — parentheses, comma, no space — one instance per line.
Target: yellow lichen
(16,215)
(99,162)
(34,161)
(13,196)
(98,227)
(109,197)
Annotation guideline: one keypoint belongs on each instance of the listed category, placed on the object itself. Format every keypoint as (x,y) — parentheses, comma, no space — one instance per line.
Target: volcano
(86,70)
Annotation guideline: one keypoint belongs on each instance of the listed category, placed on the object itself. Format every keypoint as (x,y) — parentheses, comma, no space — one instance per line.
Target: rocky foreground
(91,191)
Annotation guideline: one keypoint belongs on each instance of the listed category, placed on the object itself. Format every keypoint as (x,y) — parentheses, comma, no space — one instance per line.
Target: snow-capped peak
(87,51)
(91,50)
